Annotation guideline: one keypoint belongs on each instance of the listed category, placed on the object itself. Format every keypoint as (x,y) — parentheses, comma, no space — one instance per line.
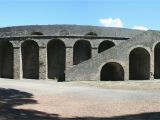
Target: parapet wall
(67,30)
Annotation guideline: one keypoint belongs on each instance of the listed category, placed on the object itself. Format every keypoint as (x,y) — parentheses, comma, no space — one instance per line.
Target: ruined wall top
(67,30)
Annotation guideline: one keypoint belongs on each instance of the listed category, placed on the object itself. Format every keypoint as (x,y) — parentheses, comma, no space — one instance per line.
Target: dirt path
(71,100)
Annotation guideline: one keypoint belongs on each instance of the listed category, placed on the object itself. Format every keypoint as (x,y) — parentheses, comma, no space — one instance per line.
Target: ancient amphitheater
(73,52)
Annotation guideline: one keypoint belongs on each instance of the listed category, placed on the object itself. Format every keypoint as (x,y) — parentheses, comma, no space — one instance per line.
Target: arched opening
(91,34)
(105,45)
(56,52)
(139,64)
(81,51)
(6,60)
(30,59)
(157,61)
(36,33)
(112,72)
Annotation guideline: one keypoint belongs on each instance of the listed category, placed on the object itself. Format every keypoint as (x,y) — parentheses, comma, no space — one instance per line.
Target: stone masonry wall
(21,64)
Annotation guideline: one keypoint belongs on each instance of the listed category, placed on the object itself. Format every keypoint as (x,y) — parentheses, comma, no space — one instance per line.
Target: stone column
(17,63)
(69,57)
(152,65)
(94,51)
(42,62)
(126,70)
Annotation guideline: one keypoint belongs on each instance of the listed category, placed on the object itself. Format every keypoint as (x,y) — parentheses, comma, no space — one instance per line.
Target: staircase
(91,69)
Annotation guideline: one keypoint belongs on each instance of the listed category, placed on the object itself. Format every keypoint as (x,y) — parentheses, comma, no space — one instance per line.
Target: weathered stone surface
(55,55)
(67,30)
(91,69)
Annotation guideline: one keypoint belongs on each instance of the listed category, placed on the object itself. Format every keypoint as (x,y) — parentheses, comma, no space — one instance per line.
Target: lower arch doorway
(112,71)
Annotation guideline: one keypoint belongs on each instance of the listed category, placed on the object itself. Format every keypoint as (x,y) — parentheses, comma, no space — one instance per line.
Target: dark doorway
(30,59)
(157,61)
(56,52)
(112,72)
(139,64)
(6,60)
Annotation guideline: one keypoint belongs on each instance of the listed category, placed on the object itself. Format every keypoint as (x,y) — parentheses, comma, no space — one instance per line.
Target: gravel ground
(127,85)
(37,99)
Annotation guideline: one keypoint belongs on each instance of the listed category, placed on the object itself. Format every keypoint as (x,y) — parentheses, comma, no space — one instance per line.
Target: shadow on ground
(9,98)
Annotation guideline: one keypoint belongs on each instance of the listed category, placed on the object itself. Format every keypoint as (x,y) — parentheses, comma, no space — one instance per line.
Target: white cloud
(110,22)
(140,28)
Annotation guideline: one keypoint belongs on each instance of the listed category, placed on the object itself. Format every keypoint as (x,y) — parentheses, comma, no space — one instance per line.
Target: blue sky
(110,13)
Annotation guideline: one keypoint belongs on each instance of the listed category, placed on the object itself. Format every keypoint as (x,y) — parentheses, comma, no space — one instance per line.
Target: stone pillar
(94,51)
(152,65)
(69,57)
(126,71)
(17,64)
(42,63)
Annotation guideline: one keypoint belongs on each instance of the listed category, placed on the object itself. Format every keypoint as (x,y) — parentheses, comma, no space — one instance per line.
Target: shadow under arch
(36,33)
(30,59)
(6,59)
(139,64)
(105,45)
(56,57)
(112,71)
(157,61)
(94,34)
(81,51)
